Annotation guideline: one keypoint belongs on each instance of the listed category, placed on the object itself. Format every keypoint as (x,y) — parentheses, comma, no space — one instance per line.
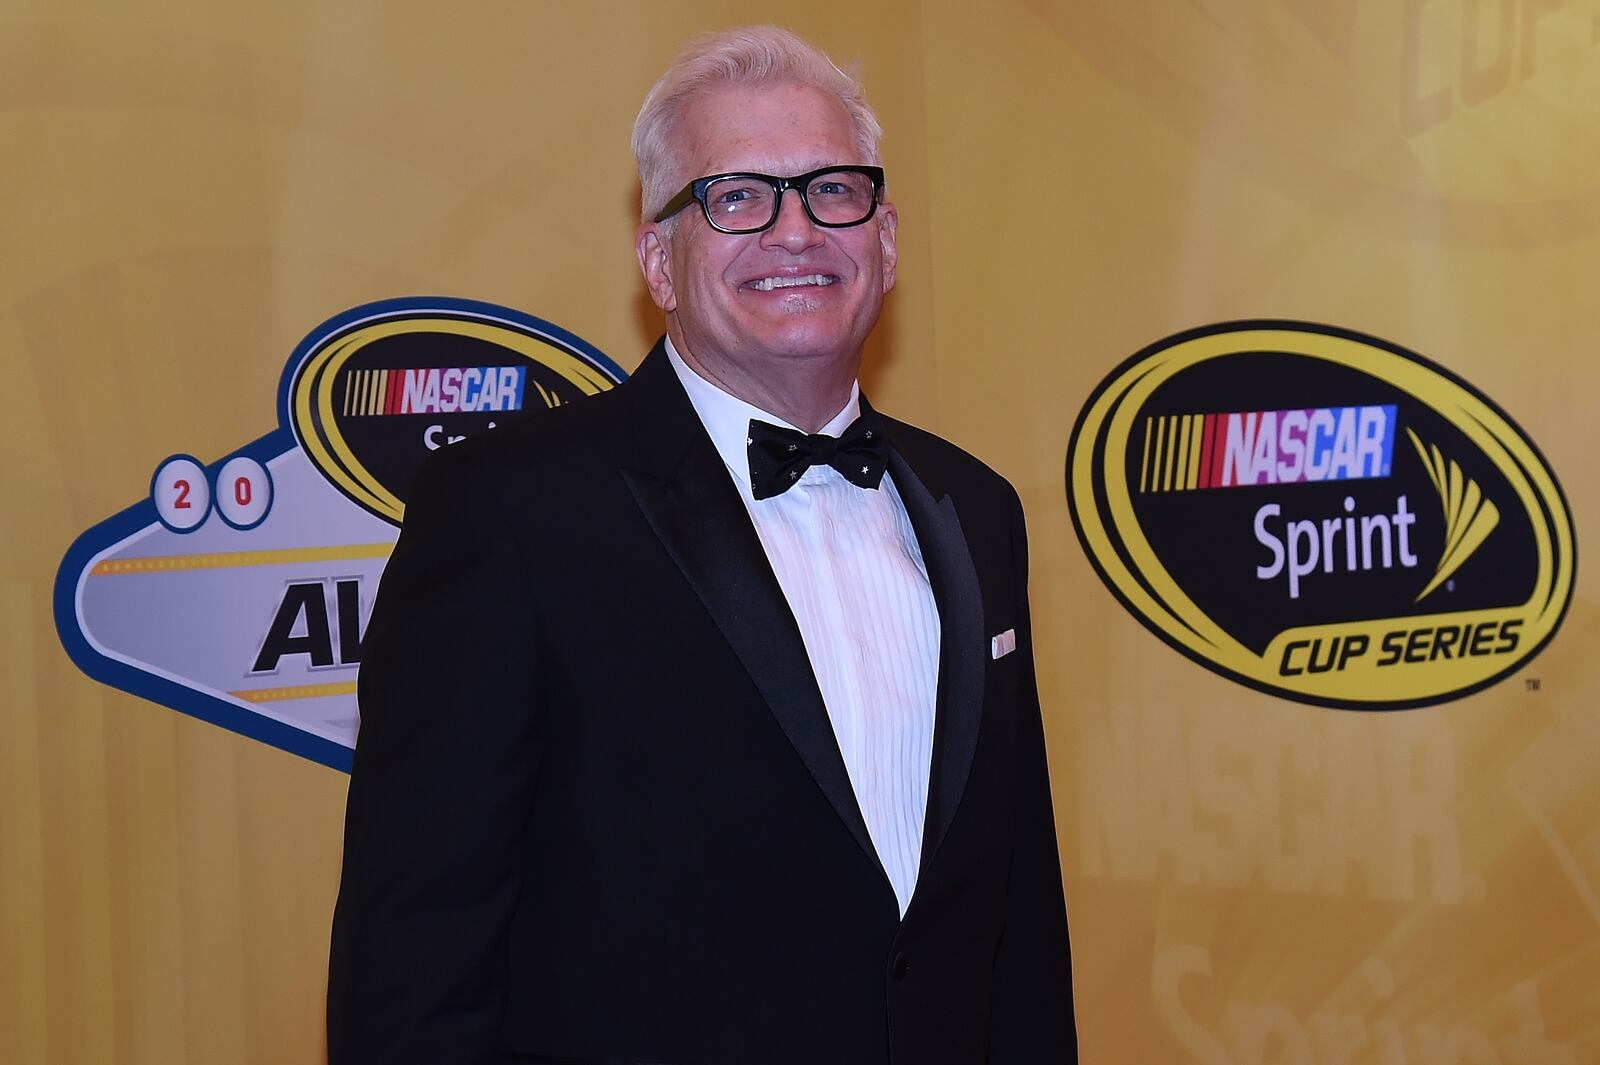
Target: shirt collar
(727,417)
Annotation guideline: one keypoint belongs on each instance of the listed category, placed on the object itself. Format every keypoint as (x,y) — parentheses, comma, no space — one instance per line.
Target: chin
(800,334)
(808,343)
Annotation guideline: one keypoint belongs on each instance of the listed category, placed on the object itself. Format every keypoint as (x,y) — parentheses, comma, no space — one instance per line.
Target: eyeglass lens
(743,204)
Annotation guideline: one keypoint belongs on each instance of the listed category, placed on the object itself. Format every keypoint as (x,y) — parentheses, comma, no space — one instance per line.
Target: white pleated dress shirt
(848,563)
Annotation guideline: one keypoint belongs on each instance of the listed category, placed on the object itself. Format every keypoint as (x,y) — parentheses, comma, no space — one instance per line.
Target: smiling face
(753,311)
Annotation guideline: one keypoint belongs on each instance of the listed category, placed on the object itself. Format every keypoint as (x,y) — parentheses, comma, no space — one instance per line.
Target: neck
(806,392)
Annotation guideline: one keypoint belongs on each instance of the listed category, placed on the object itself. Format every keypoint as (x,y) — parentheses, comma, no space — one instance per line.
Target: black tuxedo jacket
(597,812)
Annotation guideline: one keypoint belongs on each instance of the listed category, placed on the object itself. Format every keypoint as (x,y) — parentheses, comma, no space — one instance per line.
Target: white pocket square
(1003,644)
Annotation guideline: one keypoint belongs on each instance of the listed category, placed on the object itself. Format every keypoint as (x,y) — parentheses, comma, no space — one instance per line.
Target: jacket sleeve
(1032,1021)
(443,774)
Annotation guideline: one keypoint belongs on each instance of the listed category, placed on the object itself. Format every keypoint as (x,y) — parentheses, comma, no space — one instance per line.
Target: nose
(793,231)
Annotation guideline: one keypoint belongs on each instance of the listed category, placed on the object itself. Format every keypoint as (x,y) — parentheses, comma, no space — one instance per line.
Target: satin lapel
(961,644)
(691,503)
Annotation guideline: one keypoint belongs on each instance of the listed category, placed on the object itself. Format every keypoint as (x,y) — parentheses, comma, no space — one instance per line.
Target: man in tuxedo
(699,722)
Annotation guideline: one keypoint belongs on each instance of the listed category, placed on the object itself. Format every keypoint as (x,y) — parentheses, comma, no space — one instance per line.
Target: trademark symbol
(1531,684)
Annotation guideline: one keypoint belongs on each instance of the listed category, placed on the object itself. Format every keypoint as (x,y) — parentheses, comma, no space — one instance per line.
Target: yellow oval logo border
(308,393)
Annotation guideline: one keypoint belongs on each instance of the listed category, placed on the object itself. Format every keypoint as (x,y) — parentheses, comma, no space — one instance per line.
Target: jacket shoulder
(540,440)
(961,470)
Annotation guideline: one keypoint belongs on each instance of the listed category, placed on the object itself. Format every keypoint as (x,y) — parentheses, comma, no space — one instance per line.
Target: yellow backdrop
(188,188)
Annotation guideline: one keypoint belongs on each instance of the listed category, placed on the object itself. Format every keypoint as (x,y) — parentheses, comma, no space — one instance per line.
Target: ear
(888,220)
(655,264)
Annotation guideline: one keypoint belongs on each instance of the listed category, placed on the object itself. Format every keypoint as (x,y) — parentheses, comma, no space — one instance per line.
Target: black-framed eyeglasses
(834,197)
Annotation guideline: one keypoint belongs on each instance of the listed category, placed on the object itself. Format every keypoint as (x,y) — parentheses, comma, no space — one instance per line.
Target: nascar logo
(1191,451)
(463,389)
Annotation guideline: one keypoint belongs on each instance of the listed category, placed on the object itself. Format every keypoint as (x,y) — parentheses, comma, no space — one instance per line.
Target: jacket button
(900,966)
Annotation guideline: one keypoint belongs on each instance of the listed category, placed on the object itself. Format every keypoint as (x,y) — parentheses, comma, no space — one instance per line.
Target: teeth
(767,284)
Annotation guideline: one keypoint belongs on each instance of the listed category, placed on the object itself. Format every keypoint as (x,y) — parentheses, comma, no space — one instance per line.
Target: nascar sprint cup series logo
(1321,515)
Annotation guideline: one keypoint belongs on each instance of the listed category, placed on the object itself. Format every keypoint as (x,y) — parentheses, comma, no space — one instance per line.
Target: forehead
(778,129)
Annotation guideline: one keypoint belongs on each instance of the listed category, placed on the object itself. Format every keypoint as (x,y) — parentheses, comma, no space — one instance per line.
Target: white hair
(754,56)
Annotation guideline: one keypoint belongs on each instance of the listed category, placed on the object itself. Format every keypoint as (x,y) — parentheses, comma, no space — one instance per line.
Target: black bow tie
(778,456)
